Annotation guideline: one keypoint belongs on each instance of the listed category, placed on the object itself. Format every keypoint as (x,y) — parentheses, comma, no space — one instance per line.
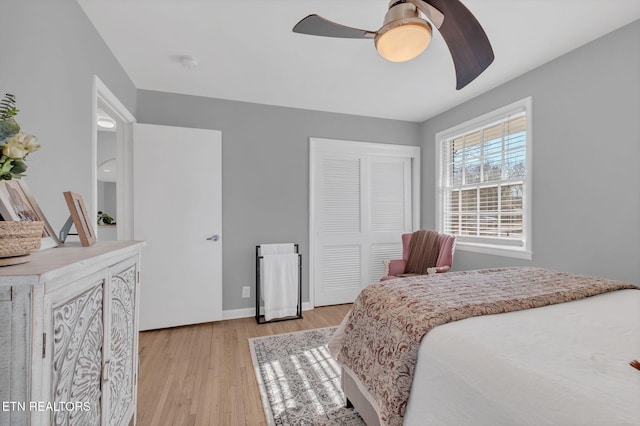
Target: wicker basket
(19,238)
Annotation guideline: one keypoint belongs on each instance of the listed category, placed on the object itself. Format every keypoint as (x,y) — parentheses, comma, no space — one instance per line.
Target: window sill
(517,253)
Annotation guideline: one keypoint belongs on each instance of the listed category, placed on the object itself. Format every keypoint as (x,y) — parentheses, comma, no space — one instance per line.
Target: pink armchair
(446,245)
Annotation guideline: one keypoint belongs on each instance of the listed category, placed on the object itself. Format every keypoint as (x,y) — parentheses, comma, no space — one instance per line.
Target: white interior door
(178,212)
(363,197)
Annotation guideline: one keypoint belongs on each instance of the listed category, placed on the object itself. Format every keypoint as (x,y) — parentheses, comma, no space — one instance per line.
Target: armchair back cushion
(424,249)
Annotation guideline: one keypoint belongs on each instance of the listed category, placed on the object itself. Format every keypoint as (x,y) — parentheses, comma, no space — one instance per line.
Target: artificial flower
(14,144)
(19,146)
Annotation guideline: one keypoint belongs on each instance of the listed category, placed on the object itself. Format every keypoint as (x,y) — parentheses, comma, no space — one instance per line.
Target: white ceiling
(247,51)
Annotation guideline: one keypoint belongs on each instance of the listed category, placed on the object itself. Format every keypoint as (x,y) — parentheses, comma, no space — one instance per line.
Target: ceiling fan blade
(319,26)
(467,41)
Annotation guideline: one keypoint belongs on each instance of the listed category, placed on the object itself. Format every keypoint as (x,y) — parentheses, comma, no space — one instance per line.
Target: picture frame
(80,218)
(17,203)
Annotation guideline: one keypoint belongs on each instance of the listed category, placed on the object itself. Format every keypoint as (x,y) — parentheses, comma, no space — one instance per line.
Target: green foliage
(105,219)
(8,129)
(6,164)
(8,107)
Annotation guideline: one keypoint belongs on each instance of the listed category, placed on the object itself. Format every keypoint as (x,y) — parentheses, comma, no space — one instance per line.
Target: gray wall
(265,171)
(586,153)
(50,52)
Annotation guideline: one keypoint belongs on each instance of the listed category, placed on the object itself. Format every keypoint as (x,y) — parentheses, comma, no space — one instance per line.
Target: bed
(520,346)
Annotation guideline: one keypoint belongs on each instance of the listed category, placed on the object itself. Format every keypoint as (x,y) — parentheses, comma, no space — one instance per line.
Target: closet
(363,196)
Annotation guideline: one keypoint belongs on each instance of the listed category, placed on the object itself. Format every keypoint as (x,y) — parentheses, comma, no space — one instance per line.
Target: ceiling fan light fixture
(404,34)
(403,41)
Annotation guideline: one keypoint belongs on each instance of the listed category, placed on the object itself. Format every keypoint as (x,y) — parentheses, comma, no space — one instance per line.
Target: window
(484,175)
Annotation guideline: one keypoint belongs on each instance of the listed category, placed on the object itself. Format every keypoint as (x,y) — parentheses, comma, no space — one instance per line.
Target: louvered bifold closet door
(362,205)
(338,249)
(389,211)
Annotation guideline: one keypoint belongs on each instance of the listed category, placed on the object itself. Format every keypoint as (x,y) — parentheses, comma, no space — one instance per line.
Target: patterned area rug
(299,380)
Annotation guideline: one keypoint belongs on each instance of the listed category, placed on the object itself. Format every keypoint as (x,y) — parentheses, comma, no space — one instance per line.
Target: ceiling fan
(405,34)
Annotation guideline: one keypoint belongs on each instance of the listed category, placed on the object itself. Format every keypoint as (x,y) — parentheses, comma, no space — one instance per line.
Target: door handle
(214,237)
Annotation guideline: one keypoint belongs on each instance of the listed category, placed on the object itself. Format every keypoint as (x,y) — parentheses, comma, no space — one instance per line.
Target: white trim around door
(124,172)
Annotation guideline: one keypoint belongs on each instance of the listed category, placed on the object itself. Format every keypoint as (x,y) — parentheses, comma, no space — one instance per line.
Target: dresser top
(52,262)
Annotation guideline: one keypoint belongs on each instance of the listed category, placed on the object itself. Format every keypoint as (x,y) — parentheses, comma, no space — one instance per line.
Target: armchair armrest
(396,266)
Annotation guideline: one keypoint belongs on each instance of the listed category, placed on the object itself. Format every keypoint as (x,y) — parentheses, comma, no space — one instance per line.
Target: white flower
(20,145)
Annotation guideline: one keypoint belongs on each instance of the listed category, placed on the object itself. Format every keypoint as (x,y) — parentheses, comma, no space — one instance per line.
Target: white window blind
(484,177)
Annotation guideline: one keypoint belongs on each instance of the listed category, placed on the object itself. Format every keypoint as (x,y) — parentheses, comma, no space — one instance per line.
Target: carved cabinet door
(121,365)
(90,349)
(73,352)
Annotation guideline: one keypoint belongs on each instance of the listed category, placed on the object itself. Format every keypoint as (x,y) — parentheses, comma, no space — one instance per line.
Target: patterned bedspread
(379,339)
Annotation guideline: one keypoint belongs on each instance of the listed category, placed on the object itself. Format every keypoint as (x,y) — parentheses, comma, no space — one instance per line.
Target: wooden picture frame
(80,218)
(17,203)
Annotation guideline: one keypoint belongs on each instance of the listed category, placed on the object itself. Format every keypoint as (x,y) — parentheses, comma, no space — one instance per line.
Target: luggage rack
(260,319)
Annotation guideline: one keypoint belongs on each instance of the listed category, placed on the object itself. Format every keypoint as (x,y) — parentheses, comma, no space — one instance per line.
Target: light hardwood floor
(203,374)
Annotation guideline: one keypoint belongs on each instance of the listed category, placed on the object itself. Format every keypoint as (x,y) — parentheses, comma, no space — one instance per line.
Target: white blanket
(565,364)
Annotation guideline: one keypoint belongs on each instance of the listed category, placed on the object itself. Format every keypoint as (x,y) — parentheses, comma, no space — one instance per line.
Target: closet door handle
(214,237)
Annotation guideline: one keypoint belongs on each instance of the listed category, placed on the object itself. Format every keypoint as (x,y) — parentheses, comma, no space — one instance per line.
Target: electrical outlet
(246,292)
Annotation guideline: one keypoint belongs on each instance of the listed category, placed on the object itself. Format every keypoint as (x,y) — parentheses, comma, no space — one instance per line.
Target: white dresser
(69,336)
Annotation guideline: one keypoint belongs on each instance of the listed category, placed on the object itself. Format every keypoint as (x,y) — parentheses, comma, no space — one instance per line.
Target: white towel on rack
(279,285)
(285,248)
(269,249)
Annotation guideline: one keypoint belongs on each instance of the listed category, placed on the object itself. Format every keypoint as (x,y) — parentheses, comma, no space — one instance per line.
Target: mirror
(107,154)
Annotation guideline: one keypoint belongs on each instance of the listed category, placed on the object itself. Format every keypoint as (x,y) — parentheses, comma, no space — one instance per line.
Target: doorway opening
(112,165)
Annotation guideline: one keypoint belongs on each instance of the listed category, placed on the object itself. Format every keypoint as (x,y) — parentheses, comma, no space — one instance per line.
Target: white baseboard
(251,312)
